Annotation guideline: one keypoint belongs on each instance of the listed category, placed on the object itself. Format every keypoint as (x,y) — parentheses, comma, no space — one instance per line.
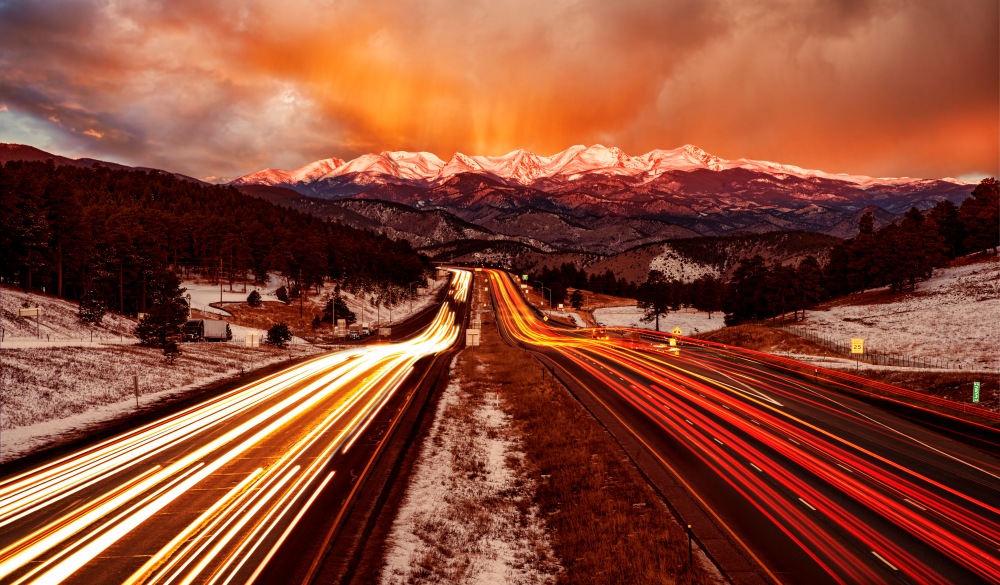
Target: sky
(227,87)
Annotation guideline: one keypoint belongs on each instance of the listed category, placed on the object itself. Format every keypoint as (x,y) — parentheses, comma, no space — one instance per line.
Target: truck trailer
(206,330)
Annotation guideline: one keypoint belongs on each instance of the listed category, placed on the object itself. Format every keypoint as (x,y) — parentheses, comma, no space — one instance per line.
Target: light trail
(215,488)
(838,483)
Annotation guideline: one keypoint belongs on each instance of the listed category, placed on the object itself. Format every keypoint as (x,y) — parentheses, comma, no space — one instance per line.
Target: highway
(809,484)
(219,492)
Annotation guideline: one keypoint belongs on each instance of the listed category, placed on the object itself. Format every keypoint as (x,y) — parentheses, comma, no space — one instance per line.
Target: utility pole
(220,280)
(302,293)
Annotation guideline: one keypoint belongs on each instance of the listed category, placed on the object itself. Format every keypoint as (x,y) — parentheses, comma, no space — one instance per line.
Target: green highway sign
(975,392)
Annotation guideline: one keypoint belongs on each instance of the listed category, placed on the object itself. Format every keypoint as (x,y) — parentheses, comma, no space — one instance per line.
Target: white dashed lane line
(881,558)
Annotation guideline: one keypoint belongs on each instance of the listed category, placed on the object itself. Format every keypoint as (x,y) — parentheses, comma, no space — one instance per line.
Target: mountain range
(600,200)
(593,206)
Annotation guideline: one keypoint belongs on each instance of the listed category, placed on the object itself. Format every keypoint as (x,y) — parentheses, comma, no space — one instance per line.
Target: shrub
(254,299)
(282,294)
(278,335)
(92,310)
(171,350)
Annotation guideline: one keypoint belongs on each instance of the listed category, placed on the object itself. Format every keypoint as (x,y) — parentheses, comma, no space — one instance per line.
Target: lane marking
(718,441)
(912,503)
(757,468)
(845,468)
(689,422)
(807,504)
(881,558)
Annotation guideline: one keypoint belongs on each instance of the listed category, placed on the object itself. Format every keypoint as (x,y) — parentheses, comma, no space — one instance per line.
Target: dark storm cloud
(879,87)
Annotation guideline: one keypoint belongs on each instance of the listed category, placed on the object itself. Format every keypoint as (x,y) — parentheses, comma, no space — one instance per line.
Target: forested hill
(106,232)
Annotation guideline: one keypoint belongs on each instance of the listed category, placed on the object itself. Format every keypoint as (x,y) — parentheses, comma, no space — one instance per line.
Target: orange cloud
(868,86)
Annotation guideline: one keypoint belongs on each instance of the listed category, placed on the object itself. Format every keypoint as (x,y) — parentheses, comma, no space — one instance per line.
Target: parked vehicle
(206,330)
(354,332)
(366,331)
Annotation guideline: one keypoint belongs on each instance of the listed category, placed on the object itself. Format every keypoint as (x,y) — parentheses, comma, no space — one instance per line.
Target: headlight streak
(668,391)
(74,473)
(221,541)
(203,522)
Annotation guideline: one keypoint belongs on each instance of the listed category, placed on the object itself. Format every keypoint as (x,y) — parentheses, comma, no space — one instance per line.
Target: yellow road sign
(857,345)
(677,331)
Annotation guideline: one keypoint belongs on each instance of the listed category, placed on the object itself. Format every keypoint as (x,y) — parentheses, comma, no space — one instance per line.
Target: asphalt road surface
(810,484)
(216,492)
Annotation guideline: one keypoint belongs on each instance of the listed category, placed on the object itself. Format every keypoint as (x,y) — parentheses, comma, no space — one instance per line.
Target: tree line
(898,256)
(116,238)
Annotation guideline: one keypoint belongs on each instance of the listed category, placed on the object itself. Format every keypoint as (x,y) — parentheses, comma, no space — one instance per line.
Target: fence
(872,356)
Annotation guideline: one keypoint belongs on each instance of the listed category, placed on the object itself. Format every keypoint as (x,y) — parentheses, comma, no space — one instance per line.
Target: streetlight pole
(544,288)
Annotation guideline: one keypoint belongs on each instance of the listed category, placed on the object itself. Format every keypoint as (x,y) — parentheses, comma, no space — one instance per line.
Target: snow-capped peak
(523,167)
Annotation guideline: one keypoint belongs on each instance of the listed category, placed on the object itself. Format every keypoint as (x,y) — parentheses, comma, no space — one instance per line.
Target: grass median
(607,524)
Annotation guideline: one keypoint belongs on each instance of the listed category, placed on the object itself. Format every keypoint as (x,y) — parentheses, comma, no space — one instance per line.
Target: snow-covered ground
(955,315)
(204,295)
(52,394)
(576,318)
(443,532)
(58,325)
(690,321)
(55,385)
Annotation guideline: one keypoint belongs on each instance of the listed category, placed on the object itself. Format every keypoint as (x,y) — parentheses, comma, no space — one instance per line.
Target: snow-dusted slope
(952,317)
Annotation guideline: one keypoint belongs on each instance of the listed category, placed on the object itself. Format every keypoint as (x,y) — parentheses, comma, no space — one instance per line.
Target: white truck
(206,330)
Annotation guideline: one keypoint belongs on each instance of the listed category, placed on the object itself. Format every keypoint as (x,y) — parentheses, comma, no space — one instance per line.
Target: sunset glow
(225,88)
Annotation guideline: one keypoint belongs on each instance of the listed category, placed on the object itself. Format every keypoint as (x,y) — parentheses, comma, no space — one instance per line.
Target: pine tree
(167,313)
(980,216)
(654,297)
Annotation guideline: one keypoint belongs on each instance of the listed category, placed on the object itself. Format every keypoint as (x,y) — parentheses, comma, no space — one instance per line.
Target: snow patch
(690,321)
(676,267)
(461,519)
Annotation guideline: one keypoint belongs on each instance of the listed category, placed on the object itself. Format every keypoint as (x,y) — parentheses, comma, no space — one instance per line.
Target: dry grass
(956,386)
(607,524)
(952,385)
(767,339)
(269,313)
(473,515)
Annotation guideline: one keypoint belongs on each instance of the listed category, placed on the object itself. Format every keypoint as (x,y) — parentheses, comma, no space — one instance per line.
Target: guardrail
(844,379)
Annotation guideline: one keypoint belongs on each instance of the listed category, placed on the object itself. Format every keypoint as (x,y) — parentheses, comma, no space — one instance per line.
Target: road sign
(677,331)
(472,337)
(857,345)
(975,392)
(253,339)
(673,342)
(31,312)
(524,277)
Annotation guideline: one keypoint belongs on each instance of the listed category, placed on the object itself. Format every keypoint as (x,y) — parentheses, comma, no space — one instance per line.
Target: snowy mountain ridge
(524,168)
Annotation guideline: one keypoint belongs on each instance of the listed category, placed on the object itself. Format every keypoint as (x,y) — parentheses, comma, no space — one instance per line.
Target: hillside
(115,234)
(950,318)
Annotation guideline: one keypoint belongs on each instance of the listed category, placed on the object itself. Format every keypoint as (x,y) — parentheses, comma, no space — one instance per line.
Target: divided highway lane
(209,494)
(817,487)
